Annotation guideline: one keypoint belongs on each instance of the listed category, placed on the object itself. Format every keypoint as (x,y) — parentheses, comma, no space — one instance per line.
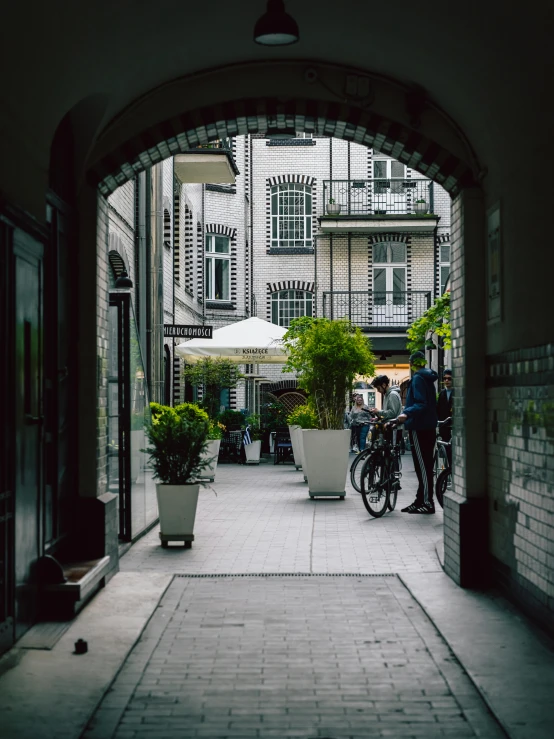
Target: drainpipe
(147,302)
(156,282)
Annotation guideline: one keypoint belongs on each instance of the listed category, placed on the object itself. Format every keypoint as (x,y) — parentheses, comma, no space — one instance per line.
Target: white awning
(246,342)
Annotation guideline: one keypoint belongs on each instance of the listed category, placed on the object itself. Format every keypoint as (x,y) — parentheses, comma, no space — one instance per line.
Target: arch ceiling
(486,66)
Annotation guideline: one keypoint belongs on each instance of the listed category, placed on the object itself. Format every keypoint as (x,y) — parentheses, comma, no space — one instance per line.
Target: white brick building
(265,246)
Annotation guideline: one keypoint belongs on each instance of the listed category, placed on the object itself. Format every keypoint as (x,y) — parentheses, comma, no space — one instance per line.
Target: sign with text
(188,332)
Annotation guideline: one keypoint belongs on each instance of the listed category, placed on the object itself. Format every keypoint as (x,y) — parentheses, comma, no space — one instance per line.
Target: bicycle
(381,472)
(357,463)
(443,478)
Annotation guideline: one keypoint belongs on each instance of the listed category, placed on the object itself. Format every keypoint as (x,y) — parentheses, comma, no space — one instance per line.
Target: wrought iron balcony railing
(394,196)
(377,309)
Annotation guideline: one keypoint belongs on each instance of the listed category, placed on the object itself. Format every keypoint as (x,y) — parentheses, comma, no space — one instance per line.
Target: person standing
(359,419)
(392,403)
(445,409)
(420,418)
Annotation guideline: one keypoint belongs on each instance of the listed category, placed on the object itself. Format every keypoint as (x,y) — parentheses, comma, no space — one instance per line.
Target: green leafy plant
(177,439)
(303,416)
(332,201)
(231,418)
(275,415)
(216,430)
(256,433)
(436,319)
(327,355)
(421,200)
(214,375)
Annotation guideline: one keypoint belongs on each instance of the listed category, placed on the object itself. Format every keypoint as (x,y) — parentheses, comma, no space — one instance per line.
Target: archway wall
(308,96)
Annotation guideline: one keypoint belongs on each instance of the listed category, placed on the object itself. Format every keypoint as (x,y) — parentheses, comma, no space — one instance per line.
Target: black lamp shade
(123,282)
(275,27)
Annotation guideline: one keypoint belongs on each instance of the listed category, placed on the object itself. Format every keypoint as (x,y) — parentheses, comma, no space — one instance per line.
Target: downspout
(158,374)
(147,302)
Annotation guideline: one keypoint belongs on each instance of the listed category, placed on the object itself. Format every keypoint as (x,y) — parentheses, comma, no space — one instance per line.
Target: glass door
(389,193)
(390,304)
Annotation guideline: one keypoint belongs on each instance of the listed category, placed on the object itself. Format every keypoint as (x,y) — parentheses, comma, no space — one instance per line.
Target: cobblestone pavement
(320,656)
(261,519)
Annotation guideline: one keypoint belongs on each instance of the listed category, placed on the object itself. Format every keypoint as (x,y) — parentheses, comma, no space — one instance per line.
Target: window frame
(277,218)
(277,299)
(210,255)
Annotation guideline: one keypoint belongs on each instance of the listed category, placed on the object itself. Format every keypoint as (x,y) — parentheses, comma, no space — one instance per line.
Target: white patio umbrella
(252,341)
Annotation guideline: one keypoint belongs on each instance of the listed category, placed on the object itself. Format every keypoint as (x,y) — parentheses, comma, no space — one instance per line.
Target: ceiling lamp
(275,27)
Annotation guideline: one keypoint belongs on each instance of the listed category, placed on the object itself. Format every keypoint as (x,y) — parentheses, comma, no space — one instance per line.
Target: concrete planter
(177,509)
(333,209)
(326,461)
(421,208)
(212,452)
(252,452)
(296,437)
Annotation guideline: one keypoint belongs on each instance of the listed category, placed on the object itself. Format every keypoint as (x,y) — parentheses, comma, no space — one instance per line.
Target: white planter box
(212,451)
(326,461)
(296,439)
(252,452)
(177,509)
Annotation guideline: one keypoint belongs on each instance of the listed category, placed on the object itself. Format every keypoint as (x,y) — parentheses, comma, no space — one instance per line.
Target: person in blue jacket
(420,420)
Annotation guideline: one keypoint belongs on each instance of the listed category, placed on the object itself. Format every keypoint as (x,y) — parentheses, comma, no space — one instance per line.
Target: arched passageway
(391,118)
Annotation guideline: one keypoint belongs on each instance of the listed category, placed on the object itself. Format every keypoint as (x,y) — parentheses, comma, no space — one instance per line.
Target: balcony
(366,206)
(377,311)
(211,163)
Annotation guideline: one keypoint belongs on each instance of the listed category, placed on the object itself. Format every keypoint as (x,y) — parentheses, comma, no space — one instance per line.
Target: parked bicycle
(359,459)
(443,480)
(381,471)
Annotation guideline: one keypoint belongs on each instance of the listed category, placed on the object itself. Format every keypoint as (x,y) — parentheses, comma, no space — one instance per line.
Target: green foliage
(216,430)
(215,375)
(303,416)
(275,416)
(435,319)
(231,418)
(177,439)
(253,421)
(327,355)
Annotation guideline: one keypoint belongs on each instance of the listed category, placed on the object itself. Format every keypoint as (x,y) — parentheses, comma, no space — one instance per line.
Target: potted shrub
(211,452)
(420,207)
(252,450)
(302,417)
(177,439)
(327,355)
(333,208)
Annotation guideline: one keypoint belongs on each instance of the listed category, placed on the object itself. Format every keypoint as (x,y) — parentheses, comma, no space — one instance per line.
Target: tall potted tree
(326,356)
(214,375)
(177,439)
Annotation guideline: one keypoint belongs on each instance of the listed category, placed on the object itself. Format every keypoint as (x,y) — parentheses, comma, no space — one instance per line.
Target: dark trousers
(423,452)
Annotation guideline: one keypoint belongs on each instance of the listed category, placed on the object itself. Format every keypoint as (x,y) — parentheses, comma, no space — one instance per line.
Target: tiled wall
(520,442)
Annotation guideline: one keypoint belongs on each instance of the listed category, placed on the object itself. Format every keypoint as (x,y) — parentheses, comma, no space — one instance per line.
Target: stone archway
(391,118)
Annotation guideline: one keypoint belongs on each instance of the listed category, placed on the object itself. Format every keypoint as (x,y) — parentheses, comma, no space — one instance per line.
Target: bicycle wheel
(356,469)
(441,460)
(375,486)
(394,481)
(441,486)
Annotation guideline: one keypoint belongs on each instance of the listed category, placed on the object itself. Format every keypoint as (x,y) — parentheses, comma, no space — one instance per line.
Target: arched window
(291,215)
(289,304)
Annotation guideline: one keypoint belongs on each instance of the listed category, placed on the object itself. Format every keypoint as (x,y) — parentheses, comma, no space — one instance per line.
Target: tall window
(291,215)
(389,274)
(289,304)
(218,267)
(444,266)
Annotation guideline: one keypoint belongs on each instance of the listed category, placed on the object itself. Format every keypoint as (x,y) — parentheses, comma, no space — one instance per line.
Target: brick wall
(520,444)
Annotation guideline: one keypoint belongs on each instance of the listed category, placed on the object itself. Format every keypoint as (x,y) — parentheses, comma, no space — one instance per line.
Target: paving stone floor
(282,656)
(261,519)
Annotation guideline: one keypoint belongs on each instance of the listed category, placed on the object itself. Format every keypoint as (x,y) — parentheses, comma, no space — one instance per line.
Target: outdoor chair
(231,445)
(282,446)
